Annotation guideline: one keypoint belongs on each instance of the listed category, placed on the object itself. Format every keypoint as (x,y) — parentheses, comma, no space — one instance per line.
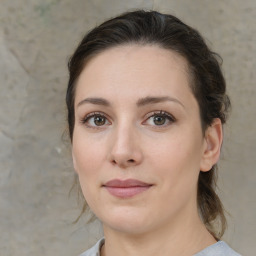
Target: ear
(212,145)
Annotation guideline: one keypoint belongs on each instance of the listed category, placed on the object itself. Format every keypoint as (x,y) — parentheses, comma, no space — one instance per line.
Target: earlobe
(213,142)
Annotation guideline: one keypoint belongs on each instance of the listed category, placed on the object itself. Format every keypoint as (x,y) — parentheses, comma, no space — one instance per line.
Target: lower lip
(126,192)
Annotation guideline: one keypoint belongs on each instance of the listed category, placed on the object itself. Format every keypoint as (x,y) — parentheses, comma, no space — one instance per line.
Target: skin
(129,144)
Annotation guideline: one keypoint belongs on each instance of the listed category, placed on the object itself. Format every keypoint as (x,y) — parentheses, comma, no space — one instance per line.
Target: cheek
(88,160)
(179,169)
(174,150)
(87,155)
(177,157)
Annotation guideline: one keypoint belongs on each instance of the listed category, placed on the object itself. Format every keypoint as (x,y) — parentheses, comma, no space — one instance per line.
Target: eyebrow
(141,102)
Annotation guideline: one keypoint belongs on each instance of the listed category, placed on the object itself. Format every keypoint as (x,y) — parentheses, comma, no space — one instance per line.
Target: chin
(127,221)
(128,228)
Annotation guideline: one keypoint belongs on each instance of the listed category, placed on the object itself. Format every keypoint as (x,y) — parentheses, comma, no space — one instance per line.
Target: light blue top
(218,249)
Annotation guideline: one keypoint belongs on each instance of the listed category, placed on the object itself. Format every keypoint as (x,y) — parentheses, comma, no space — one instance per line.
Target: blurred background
(37,38)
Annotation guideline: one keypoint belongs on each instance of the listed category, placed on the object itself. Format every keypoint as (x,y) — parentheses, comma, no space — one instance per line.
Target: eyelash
(160,113)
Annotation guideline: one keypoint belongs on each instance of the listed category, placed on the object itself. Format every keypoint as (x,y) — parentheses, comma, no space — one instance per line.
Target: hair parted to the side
(206,80)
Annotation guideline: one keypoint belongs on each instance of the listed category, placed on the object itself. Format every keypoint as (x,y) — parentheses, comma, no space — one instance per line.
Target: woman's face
(138,145)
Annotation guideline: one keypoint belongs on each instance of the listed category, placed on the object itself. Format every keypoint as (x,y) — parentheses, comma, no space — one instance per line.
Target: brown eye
(99,120)
(95,120)
(159,120)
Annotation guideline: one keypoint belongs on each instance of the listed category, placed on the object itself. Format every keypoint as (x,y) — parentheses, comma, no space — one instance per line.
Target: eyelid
(93,114)
(160,112)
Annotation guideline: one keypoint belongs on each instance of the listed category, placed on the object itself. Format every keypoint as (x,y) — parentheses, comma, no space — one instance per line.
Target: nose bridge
(125,149)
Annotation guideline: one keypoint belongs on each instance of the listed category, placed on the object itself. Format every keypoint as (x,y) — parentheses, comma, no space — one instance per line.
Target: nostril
(131,161)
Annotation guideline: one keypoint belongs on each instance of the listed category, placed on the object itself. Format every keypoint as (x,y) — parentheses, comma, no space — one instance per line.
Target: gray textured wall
(36,38)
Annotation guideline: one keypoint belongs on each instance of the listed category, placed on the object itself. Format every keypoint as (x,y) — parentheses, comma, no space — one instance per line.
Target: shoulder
(218,249)
(95,250)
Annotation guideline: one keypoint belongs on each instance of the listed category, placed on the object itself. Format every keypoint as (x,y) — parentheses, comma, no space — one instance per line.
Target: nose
(125,148)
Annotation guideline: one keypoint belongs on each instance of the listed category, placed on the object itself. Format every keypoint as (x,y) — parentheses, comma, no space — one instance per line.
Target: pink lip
(126,188)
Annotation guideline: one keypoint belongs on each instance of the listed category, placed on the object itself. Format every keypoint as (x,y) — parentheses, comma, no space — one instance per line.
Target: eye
(95,120)
(160,118)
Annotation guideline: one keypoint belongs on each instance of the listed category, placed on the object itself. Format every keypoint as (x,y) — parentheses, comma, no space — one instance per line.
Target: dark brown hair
(207,81)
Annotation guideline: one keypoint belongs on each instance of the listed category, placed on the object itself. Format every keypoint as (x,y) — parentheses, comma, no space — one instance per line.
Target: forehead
(132,69)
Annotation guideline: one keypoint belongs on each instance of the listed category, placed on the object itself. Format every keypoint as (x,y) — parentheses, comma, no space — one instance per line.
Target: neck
(173,239)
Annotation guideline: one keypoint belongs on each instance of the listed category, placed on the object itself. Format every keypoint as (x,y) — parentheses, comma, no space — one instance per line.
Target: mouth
(126,188)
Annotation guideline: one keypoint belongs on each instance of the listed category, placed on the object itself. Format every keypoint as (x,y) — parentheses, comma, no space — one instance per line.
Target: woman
(146,103)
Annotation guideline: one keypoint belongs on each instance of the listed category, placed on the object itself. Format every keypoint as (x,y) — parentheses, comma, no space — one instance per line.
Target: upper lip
(126,183)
